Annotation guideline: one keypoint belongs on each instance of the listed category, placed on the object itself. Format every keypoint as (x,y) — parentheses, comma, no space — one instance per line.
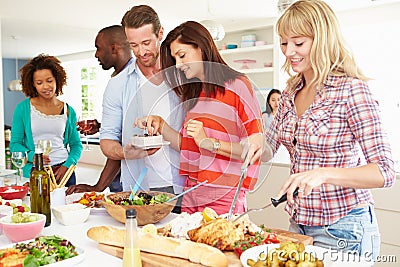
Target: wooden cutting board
(154,260)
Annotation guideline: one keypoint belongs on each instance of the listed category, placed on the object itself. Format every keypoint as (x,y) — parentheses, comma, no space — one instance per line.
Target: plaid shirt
(341,128)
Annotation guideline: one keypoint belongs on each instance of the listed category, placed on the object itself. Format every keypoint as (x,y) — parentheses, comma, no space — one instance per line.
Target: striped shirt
(342,128)
(229,117)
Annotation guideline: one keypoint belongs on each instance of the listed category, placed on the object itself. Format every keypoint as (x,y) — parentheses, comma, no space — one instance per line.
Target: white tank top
(51,127)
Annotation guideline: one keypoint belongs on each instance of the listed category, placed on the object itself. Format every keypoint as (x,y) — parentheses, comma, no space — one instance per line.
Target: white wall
(373,36)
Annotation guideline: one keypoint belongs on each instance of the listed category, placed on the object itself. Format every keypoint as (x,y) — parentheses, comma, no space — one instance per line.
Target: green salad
(143,199)
(46,250)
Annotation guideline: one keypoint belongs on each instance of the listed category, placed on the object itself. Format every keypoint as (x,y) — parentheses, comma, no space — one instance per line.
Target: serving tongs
(242,176)
(274,202)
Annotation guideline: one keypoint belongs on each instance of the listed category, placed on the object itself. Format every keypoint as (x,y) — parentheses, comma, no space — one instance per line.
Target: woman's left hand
(59,173)
(195,129)
(305,181)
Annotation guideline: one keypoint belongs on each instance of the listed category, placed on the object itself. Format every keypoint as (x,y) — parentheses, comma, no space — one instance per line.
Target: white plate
(5,172)
(330,258)
(164,143)
(65,263)
(69,199)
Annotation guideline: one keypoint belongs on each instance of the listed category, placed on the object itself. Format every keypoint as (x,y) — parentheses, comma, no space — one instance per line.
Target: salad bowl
(151,211)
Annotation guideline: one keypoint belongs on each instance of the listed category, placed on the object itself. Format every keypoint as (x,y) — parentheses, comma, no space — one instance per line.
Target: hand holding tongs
(275,202)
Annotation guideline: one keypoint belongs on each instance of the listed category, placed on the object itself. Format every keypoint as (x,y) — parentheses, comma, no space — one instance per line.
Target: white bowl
(71,213)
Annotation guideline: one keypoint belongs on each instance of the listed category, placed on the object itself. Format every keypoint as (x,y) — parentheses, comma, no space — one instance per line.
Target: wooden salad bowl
(146,214)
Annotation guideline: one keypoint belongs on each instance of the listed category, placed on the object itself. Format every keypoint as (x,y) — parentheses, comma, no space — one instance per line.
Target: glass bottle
(39,184)
(131,249)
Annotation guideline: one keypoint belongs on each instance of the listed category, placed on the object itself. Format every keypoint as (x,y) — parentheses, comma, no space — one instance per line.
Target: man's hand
(94,127)
(80,188)
(131,152)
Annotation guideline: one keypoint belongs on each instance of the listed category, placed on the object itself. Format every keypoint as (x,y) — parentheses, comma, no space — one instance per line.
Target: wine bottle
(40,188)
(131,249)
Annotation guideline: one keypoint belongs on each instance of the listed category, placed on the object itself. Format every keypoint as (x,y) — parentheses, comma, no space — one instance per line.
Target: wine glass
(45,145)
(85,126)
(19,160)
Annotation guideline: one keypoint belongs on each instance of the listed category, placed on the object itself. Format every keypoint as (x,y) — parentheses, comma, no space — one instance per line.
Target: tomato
(271,239)
(238,251)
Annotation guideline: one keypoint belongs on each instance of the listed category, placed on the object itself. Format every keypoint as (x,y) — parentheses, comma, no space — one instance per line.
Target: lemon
(150,229)
(209,214)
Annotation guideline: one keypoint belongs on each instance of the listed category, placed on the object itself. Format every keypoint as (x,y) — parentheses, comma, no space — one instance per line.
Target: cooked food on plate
(91,199)
(42,251)
(288,254)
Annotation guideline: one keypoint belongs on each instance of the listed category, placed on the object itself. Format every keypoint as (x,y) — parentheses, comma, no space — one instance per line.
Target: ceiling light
(15,85)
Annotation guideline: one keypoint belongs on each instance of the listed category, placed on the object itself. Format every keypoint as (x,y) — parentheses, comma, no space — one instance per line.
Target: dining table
(76,234)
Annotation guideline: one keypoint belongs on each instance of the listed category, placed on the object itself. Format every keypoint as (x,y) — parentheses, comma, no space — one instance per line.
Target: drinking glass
(46,146)
(86,126)
(19,160)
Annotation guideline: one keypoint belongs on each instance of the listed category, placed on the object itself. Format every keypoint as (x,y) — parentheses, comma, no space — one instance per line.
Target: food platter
(69,199)
(331,258)
(64,263)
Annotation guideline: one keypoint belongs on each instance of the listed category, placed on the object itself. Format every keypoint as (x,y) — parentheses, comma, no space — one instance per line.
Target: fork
(275,202)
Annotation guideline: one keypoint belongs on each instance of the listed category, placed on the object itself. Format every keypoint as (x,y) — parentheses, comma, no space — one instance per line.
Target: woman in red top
(222,110)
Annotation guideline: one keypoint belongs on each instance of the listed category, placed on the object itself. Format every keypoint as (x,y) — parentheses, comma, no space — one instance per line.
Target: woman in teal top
(43,116)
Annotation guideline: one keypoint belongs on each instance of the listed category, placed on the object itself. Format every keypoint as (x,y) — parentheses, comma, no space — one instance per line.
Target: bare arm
(363,177)
(108,174)
(112,149)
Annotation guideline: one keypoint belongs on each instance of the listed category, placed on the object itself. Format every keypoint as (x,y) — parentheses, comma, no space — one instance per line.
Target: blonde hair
(328,56)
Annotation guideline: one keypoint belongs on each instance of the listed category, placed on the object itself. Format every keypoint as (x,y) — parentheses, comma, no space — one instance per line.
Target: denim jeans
(357,232)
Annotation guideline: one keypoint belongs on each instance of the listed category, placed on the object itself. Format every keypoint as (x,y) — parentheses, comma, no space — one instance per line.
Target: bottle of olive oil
(40,188)
(131,256)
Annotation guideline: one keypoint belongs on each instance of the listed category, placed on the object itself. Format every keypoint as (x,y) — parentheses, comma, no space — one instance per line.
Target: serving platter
(64,263)
(331,258)
(69,199)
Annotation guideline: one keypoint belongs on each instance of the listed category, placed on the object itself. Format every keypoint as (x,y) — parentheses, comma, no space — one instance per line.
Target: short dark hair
(42,62)
(114,34)
(141,15)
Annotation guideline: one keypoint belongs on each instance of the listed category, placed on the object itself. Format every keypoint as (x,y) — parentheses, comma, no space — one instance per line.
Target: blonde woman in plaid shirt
(330,124)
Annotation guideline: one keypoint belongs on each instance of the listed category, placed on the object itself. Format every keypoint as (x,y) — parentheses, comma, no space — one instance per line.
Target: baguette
(167,246)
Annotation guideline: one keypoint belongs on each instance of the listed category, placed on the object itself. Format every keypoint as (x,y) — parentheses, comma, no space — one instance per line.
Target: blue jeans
(357,232)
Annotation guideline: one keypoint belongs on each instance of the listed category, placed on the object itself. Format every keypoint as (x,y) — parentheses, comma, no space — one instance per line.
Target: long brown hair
(216,71)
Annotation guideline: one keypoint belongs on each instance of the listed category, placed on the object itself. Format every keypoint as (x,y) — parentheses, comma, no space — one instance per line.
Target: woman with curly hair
(44,117)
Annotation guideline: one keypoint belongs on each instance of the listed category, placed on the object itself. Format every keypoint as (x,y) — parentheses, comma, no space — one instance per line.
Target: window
(86,81)
(88,87)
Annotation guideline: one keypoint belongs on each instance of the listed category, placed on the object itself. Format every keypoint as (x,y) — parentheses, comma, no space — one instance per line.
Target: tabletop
(77,235)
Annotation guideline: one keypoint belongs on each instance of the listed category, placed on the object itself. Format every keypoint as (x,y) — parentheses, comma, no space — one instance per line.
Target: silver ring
(300,191)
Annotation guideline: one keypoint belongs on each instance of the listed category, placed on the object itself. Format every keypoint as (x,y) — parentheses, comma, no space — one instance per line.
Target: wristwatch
(216,145)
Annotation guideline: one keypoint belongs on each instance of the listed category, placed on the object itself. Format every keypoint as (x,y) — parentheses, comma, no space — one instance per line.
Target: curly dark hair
(42,62)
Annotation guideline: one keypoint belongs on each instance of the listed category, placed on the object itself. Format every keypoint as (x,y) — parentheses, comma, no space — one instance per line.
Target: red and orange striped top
(227,117)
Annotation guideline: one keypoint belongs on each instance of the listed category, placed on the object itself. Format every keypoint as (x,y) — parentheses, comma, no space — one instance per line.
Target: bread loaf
(167,246)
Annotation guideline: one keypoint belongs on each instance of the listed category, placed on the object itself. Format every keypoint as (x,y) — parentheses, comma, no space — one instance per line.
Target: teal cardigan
(22,140)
